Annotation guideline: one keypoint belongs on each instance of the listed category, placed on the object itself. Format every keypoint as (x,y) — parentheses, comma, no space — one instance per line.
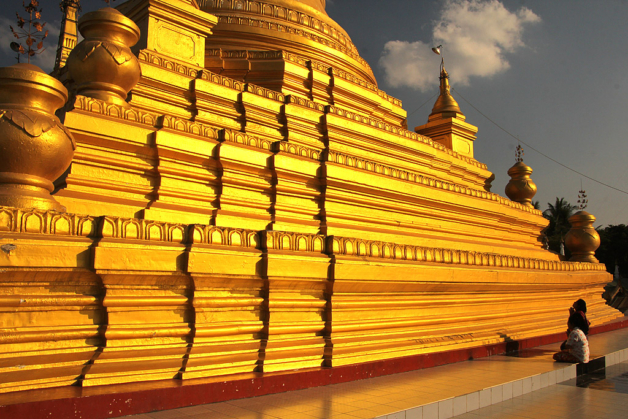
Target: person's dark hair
(580,305)
(577,320)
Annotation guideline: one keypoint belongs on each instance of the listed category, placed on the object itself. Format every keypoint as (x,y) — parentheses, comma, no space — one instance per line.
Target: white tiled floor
(558,402)
(441,392)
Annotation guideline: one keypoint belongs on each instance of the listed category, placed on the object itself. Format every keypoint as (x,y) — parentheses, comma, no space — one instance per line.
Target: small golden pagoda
(242,197)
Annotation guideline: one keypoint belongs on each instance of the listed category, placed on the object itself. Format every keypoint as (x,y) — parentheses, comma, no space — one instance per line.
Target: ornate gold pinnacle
(582,239)
(521,188)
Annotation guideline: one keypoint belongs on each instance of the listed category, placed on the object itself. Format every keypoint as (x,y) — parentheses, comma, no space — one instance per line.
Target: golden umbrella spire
(68,36)
(445,101)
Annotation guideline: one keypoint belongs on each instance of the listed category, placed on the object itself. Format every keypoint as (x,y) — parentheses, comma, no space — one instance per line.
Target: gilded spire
(445,101)
(68,35)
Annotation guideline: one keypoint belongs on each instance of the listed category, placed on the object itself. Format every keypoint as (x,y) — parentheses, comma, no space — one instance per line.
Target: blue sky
(552,73)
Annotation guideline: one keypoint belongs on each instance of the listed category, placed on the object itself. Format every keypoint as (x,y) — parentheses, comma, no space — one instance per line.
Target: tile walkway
(606,399)
(469,388)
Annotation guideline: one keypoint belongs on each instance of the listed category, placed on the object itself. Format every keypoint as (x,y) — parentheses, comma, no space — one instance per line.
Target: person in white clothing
(576,348)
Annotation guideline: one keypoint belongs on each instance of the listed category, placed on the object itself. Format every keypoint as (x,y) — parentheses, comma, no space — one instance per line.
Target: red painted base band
(128,399)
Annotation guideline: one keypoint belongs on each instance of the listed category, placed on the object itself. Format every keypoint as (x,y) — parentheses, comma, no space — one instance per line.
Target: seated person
(579,307)
(576,348)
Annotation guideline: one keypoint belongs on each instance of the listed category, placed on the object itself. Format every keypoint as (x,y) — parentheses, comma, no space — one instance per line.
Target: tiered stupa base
(113,300)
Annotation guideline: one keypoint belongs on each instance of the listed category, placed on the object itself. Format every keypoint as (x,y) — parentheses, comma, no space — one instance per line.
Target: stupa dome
(301,27)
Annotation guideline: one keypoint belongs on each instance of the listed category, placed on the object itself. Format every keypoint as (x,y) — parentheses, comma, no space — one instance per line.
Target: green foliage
(558,214)
(614,248)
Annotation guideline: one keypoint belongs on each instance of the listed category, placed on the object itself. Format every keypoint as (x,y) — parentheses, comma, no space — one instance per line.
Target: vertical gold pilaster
(321,83)
(246,197)
(51,315)
(217,100)
(230,302)
(263,112)
(297,301)
(298,166)
(149,313)
(193,198)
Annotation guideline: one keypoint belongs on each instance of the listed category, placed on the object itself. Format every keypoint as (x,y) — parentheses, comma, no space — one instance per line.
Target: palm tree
(614,248)
(558,215)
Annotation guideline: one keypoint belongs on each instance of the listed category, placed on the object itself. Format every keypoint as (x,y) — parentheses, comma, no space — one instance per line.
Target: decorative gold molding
(413,177)
(222,80)
(389,98)
(266,55)
(115,111)
(264,92)
(306,103)
(225,236)
(353,79)
(295,242)
(49,222)
(140,229)
(296,58)
(299,150)
(212,52)
(234,53)
(159,61)
(59,224)
(190,127)
(245,139)
(383,250)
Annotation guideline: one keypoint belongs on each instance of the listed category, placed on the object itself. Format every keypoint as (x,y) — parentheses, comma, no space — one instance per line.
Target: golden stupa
(242,197)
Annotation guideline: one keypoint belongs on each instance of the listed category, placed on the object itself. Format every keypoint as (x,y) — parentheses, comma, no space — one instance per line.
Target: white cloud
(45,60)
(475,34)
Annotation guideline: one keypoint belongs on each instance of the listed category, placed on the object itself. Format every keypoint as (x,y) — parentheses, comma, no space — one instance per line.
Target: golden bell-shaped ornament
(521,188)
(102,66)
(582,240)
(35,148)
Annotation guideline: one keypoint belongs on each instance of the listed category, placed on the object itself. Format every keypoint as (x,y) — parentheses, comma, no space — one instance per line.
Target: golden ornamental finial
(519,153)
(445,101)
(34,35)
(582,239)
(582,199)
(521,188)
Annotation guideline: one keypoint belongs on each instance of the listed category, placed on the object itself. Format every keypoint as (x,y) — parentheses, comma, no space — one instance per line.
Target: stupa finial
(583,201)
(68,36)
(521,188)
(519,153)
(445,101)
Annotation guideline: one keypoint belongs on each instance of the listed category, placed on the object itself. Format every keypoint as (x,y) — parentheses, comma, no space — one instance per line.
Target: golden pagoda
(243,198)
